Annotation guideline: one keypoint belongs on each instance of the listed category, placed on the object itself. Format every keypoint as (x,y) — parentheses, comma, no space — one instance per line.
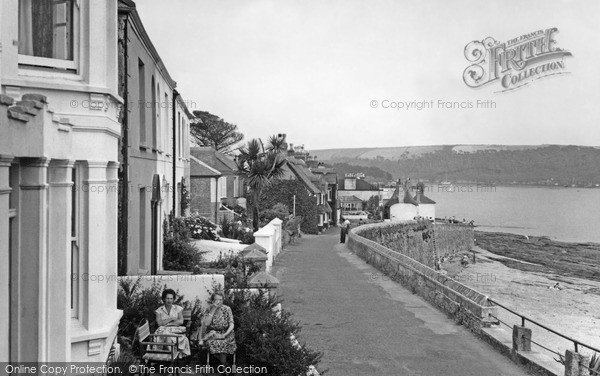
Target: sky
(334,73)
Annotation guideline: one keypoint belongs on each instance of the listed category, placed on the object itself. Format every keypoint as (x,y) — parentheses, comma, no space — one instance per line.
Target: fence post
(521,338)
(576,363)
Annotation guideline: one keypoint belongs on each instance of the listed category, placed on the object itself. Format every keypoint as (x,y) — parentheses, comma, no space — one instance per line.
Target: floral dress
(222,319)
(183,343)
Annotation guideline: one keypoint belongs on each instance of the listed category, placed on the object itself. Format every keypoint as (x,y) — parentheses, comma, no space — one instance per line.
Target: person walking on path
(343,230)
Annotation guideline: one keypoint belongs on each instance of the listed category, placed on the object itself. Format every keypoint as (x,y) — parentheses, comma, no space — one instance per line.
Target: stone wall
(465,305)
(452,238)
(416,239)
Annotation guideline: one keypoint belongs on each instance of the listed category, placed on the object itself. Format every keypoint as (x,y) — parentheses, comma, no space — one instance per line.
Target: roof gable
(201,169)
(214,159)
(301,175)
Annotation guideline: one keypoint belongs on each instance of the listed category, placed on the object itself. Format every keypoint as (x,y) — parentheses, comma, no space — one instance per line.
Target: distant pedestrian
(342,231)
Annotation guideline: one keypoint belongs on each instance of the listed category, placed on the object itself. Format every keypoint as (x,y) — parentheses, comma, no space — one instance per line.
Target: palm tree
(258,166)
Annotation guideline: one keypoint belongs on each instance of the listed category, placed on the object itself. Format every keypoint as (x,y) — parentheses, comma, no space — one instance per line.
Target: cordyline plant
(259,166)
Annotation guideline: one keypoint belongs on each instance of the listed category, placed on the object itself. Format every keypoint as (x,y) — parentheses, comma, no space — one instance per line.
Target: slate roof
(425,200)
(394,199)
(352,198)
(409,200)
(329,176)
(302,176)
(201,169)
(361,185)
(214,159)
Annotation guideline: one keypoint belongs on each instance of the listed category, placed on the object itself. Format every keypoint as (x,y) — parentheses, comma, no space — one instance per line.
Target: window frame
(75,240)
(46,62)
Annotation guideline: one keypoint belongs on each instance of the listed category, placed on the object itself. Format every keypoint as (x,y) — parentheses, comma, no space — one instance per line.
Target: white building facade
(156,130)
(58,180)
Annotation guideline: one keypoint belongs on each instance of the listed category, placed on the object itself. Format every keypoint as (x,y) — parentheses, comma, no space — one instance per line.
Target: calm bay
(564,214)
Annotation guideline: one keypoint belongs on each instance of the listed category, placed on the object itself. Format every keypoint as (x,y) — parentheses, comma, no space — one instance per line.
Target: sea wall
(453,238)
(467,306)
(415,239)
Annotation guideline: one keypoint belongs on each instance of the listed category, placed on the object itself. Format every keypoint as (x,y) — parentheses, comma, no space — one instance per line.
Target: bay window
(47,33)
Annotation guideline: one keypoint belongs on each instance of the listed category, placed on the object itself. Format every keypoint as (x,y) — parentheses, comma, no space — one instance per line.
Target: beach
(554,283)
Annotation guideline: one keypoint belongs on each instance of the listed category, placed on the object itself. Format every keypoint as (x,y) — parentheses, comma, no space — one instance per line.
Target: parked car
(355,215)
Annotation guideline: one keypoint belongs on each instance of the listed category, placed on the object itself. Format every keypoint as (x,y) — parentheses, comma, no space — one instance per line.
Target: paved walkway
(368,325)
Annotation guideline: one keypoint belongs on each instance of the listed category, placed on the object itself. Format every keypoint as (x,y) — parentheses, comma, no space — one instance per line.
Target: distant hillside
(401,152)
(499,164)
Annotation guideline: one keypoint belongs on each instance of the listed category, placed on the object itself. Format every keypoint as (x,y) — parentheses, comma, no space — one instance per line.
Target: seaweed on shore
(581,260)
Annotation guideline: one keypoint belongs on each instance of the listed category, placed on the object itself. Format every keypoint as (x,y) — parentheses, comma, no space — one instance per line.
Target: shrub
(179,253)
(278,210)
(283,191)
(201,228)
(237,230)
(139,304)
(238,270)
(263,336)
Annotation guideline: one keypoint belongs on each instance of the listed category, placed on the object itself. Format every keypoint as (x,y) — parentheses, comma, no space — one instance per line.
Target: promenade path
(368,325)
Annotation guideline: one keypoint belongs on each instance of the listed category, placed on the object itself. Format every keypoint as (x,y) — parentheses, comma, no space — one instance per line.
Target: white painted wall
(192,287)
(269,237)
(403,212)
(427,210)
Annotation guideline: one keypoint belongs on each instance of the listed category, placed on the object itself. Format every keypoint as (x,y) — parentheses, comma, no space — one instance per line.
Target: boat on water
(446,186)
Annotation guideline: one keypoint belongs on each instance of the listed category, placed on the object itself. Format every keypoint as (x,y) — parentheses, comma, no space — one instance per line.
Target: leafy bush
(237,209)
(179,253)
(264,337)
(237,230)
(201,228)
(138,304)
(238,270)
(185,196)
(278,210)
(283,191)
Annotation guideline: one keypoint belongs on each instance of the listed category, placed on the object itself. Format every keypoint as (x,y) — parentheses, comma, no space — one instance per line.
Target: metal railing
(524,319)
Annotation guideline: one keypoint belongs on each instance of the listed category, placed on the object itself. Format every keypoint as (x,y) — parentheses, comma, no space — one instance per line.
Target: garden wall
(269,237)
(467,306)
(192,287)
(214,248)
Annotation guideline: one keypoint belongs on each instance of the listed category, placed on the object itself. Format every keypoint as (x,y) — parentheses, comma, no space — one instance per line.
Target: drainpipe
(123,228)
(175,95)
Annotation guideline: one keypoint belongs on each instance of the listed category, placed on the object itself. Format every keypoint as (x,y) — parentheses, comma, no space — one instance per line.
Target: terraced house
(154,150)
(60,130)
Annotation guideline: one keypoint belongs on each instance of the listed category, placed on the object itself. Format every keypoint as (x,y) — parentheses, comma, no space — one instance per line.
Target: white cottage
(407,207)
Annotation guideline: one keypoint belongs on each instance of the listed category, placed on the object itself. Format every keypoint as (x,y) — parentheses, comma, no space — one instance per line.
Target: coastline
(549,281)
(543,255)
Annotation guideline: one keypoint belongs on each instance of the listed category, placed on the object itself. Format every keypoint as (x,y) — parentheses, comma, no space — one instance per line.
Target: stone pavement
(368,325)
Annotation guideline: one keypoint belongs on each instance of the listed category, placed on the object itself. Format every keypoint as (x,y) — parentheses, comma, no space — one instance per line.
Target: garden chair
(152,347)
(194,347)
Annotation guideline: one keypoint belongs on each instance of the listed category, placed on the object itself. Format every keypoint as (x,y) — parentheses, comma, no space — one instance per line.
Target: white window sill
(79,333)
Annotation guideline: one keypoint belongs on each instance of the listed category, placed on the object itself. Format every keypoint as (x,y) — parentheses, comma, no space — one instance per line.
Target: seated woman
(217,329)
(169,317)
